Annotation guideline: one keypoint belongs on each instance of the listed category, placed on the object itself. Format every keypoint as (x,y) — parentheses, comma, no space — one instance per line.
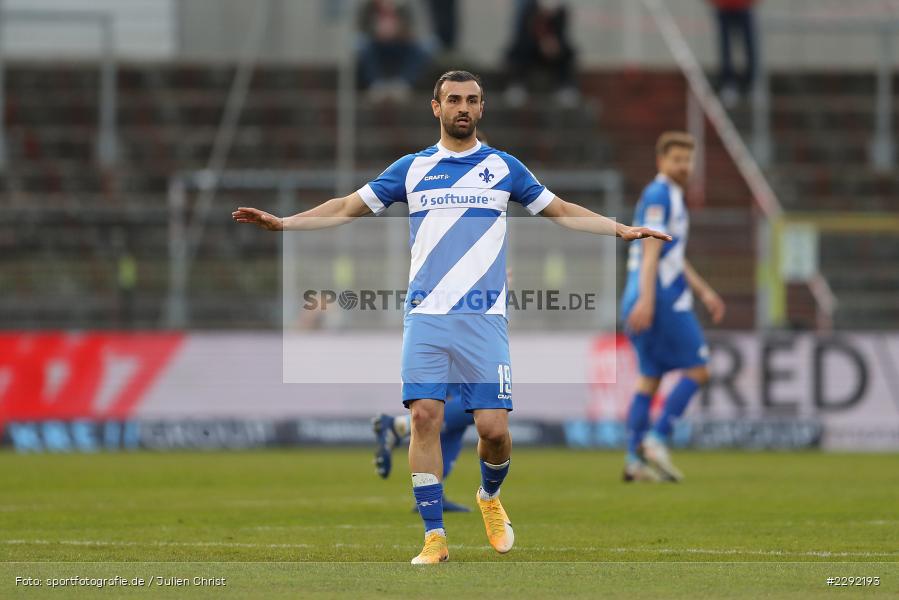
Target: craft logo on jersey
(486,175)
(438,177)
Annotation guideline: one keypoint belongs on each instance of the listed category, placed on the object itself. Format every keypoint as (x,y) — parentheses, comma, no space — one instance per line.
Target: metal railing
(107,145)
(770,288)
(882,149)
(701,99)
(799,237)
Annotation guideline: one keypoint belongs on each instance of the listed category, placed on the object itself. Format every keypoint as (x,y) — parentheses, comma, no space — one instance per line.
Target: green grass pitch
(319,523)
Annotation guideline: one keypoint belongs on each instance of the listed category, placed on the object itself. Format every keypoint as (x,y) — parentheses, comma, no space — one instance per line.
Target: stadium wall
(87,391)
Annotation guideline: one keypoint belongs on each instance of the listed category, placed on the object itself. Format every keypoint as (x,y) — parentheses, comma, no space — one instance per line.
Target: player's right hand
(629,234)
(257,217)
(641,317)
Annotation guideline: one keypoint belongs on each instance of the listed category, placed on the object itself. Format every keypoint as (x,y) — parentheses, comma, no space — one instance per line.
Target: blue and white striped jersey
(661,207)
(457,221)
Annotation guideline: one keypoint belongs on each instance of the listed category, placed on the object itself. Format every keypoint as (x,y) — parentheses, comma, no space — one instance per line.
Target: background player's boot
(448,506)
(657,455)
(496,522)
(387,439)
(435,550)
(637,470)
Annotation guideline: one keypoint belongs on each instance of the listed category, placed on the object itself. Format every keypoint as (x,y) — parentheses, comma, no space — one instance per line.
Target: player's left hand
(641,316)
(715,305)
(628,233)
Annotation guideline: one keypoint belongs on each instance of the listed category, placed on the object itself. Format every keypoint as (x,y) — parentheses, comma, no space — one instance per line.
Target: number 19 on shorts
(505,379)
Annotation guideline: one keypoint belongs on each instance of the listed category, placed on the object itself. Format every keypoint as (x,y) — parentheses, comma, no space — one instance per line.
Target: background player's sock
(675,405)
(401,426)
(491,478)
(455,422)
(637,423)
(428,493)
(451,446)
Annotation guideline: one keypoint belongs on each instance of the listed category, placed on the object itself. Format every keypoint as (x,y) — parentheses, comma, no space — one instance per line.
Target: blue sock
(637,423)
(455,422)
(675,405)
(429,499)
(492,476)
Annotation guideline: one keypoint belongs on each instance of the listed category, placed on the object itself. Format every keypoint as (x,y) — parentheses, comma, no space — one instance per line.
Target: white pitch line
(317,501)
(732,551)
(349,526)
(705,551)
(153,543)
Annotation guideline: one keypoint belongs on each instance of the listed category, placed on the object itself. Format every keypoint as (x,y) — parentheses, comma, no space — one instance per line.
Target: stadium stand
(68,209)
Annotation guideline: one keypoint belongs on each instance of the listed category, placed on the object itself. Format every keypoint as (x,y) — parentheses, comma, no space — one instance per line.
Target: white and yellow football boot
(434,552)
(496,522)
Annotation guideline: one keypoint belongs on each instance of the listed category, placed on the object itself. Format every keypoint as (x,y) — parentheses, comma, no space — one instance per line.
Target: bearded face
(460,125)
(459,108)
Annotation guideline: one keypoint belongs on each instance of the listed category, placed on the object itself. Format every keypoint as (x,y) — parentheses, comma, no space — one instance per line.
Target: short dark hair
(457,76)
(674,139)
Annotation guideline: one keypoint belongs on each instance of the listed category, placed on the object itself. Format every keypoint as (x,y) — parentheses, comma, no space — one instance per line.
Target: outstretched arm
(712,301)
(572,216)
(335,211)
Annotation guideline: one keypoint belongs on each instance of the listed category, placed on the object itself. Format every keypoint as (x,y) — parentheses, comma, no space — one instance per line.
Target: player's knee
(426,417)
(648,385)
(699,374)
(493,433)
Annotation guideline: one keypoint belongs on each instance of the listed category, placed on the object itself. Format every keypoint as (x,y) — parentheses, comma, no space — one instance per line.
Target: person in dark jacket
(541,43)
(391,58)
(735,18)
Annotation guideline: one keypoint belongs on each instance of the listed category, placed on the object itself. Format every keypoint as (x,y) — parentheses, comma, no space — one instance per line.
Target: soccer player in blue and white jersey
(657,309)
(457,192)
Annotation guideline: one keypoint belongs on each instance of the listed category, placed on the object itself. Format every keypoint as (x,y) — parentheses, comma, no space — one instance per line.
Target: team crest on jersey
(486,175)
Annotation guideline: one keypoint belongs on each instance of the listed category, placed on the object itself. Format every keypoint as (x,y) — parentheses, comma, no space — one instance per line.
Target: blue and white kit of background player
(455,312)
(674,340)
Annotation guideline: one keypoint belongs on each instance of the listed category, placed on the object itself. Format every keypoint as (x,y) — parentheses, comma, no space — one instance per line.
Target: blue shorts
(674,341)
(469,349)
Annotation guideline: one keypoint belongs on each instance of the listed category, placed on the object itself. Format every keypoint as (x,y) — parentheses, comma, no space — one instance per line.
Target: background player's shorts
(675,341)
(470,349)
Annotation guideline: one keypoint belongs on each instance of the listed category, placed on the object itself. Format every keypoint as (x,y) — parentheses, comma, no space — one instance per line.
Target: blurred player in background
(657,309)
(457,193)
(391,430)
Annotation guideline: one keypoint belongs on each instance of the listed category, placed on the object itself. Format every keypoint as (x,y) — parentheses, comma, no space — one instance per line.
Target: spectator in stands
(735,17)
(390,56)
(444,20)
(126,278)
(541,43)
